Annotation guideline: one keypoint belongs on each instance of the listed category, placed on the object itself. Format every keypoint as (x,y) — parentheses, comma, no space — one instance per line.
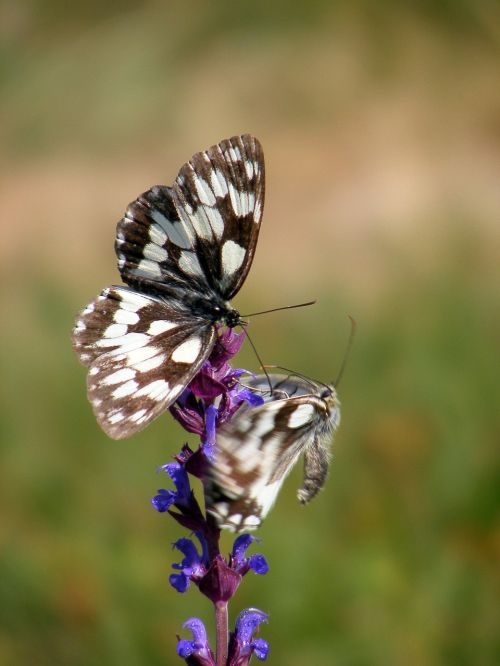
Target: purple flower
(243,645)
(197,650)
(227,345)
(193,566)
(208,440)
(242,564)
(181,496)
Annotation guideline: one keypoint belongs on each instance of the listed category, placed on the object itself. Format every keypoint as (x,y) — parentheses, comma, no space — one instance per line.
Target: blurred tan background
(381,129)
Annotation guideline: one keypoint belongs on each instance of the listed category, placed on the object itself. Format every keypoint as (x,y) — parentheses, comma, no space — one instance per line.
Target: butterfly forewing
(203,230)
(219,194)
(258,448)
(141,353)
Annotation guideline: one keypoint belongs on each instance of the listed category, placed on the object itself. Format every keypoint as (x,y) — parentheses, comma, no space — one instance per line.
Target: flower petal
(179,581)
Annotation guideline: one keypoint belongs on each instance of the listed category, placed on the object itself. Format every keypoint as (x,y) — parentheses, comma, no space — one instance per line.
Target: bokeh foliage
(395,562)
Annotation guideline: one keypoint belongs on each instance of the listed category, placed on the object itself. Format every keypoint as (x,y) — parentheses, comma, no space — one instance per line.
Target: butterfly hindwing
(141,353)
(155,250)
(258,448)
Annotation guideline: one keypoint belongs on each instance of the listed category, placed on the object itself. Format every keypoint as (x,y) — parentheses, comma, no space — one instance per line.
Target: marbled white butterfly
(258,448)
(184,251)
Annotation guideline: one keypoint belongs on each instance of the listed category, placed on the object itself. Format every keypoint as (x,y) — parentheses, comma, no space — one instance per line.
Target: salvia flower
(181,496)
(197,650)
(193,566)
(242,564)
(243,644)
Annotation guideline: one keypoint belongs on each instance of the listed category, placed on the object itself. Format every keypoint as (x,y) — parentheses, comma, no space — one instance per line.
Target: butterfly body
(184,252)
(259,447)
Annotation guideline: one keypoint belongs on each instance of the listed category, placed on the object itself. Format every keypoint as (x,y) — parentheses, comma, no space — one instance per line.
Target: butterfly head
(225,314)
(231,317)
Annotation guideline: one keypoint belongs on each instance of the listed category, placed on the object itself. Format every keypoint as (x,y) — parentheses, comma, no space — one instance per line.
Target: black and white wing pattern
(258,448)
(197,239)
(183,251)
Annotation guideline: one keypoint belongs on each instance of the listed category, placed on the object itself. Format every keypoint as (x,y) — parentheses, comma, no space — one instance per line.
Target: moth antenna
(347,350)
(253,388)
(258,358)
(294,373)
(284,307)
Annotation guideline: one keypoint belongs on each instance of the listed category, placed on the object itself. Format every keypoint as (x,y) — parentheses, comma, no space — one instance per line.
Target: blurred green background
(381,128)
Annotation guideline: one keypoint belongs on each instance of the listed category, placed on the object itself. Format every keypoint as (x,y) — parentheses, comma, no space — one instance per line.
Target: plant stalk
(222,632)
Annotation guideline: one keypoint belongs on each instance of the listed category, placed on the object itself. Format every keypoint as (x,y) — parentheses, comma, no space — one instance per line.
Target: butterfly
(257,449)
(183,251)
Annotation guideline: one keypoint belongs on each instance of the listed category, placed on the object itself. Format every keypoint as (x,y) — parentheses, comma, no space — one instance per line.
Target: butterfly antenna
(258,358)
(284,307)
(347,351)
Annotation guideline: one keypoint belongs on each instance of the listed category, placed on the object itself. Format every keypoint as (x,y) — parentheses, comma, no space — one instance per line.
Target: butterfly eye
(326,393)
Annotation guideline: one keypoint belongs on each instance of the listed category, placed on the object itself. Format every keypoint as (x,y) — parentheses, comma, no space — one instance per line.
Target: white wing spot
(157,235)
(234,154)
(176,232)
(155,252)
(132,301)
(188,263)
(122,375)
(233,256)
(141,354)
(116,417)
(124,343)
(257,211)
(264,426)
(219,184)
(251,521)
(150,268)
(267,496)
(205,194)
(160,326)
(201,224)
(216,221)
(126,317)
(300,416)
(89,308)
(125,389)
(138,415)
(235,199)
(115,331)
(249,169)
(188,351)
(156,390)
(150,363)
(222,508)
